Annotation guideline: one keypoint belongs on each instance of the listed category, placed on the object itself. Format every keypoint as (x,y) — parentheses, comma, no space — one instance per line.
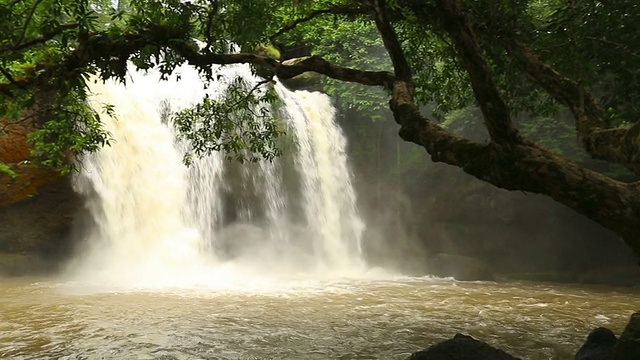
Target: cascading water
(155,221)
(322,162)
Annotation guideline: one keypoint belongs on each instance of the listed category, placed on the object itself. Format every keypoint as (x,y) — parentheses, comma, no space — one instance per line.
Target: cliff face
(41,224)
(37,206)
(512,231)
(14,151)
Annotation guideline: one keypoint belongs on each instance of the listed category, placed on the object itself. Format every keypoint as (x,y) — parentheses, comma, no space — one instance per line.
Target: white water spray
(157,222)
(329,199)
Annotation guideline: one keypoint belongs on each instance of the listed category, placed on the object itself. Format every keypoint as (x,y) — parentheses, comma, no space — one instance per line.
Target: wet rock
(15,152)
(37,205)
(463,216)
(621,275)
(27,183)
(13,142)
(307,81)
(41,225)
(19,265)
(461,347)
(463,268)
(628,346)
(599,345)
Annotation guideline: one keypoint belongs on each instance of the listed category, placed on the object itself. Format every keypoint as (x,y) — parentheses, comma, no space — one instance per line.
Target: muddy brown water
(301,319)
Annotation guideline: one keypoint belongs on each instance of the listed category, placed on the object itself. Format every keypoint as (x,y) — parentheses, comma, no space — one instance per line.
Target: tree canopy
(511,57)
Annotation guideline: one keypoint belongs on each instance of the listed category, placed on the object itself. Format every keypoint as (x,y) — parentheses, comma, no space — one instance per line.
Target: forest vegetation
(518,62)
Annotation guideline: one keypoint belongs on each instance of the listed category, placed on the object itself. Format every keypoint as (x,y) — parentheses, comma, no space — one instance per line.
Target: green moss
(269,51)
(306,81)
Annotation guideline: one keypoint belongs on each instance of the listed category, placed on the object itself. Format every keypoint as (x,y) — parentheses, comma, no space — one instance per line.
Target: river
(289,318)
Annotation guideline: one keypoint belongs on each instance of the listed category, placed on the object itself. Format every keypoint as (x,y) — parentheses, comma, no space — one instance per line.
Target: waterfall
(154,220)
(328,195)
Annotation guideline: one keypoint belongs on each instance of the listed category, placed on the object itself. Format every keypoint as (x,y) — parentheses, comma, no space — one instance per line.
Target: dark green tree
(507,58)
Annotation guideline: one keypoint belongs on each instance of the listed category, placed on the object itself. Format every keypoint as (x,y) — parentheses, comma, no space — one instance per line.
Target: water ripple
(344,320)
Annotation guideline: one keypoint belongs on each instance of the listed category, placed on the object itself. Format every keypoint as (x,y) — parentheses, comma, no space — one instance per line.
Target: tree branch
(390,39)
(312,63)
(519,166)
(101,48)
(585,108)
(497,117)
(27,21)
(618,145)
(39,40)
(9,77)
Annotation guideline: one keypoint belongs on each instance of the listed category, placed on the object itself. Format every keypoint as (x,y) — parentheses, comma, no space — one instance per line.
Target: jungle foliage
(518,62)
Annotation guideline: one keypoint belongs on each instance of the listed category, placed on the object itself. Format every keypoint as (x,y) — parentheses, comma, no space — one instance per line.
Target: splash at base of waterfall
(153,222)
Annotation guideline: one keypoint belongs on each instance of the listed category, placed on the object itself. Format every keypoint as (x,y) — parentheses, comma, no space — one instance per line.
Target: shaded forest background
(416,209)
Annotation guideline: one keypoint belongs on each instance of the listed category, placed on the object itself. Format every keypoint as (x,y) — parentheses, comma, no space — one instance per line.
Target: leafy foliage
(345,40)
(238,122)
(605,49)
(37,35)
(6,169)
(72,129)
(521,62)
(50,46)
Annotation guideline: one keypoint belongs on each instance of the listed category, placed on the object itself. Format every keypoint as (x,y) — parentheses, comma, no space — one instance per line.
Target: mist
(431,218)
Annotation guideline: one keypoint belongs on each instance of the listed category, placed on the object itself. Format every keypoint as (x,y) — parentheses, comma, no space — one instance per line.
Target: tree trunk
(510,161)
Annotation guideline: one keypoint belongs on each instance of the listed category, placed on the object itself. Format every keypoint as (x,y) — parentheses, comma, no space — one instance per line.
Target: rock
(42,224)
(619,275)
(463,268)
(13,142)
(268,51)
(628,346)
(19,265)
(461,347)
(27,183)
(37,205)
(15,152)
(599,345)
(463,216)
(307,81)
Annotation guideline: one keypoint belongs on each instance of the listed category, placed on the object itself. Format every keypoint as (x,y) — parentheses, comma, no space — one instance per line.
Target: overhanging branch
(100,48)
(40,39)
(28,21)
(585,108)
(618,145)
